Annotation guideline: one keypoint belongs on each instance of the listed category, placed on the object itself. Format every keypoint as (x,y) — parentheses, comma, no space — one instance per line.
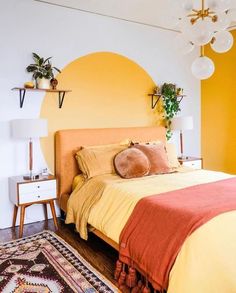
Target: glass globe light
(200,33)
(232,14)
(183,45)
(203,67)
(219,5)
(223,42)
(222,22)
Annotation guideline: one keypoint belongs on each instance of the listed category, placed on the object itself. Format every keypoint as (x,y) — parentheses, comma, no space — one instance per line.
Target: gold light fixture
(202,13)
(206,24)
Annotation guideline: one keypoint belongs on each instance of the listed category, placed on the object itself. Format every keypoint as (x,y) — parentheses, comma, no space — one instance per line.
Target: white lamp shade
(29,128)
(182,123)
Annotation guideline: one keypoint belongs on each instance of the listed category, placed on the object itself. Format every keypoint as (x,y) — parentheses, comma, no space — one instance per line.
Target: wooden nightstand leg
(51,202)
(22,217)
(45,211)
(14,215)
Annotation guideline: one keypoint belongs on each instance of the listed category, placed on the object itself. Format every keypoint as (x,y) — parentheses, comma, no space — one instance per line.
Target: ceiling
(157,13)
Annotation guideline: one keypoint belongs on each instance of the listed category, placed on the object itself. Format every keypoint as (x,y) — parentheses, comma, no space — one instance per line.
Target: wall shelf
(61,94)
(156,98)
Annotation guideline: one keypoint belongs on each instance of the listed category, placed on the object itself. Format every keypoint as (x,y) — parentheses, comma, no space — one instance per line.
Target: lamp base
(31,177)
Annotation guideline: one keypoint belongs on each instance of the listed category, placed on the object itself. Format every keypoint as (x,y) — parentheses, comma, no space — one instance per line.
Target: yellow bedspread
(207,260)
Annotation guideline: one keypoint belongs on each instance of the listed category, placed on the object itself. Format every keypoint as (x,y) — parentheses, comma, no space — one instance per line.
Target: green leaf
(35,56)
(41,61)
(31,68)
(48,66)
(46,60)
(58,70)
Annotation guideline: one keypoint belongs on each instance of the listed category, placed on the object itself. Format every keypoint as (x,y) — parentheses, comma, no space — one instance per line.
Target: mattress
(206,261)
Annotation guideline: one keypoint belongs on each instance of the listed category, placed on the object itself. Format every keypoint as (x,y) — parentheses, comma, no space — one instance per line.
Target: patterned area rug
(44,263)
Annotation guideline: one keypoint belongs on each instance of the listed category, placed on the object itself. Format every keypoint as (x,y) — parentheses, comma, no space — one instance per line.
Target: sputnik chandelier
(204,25)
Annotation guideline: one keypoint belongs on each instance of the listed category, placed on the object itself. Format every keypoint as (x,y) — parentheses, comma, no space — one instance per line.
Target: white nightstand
(24,193)
(195,163)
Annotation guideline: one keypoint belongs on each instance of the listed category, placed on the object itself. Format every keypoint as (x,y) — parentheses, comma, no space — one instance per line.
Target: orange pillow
(157,156)
(131,163)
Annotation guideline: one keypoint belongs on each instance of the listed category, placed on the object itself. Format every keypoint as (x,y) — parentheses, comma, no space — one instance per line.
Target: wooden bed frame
(67,142)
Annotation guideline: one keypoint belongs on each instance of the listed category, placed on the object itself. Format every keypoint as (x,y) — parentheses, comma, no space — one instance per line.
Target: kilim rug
(45,263)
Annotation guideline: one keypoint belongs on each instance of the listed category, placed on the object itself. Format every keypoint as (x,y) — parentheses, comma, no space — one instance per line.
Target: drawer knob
(38,196)
(38,186)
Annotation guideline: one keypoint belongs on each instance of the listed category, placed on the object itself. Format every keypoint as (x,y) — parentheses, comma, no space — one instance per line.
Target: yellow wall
(219,113)
(108,90)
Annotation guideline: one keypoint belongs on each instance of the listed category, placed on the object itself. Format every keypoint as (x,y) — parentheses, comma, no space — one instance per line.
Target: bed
(216,254)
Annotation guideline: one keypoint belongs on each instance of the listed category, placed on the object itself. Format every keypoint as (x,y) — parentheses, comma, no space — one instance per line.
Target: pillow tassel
(138,288)
(131,279)
(146,289)
(121,280)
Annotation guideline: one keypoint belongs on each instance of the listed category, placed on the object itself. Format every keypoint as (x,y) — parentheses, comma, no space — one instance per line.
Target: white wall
(27,26)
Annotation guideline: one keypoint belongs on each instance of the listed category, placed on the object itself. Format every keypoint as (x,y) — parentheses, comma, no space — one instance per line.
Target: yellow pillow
(78,181)
(172,155)
(98,160)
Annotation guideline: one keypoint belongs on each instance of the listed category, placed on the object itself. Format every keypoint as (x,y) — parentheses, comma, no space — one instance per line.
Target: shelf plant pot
(43,83)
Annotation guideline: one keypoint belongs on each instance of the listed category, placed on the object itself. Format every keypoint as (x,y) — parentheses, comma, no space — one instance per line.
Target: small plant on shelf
(170,104)
(43,71)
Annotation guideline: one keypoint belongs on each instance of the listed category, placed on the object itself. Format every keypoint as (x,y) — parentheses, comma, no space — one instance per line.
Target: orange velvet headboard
(67,142)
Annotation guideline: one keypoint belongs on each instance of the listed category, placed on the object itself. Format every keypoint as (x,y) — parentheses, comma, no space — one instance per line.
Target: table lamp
(29,129)
(181,124)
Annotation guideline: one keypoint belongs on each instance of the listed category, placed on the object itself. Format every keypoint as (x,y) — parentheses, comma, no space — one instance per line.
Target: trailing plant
(170,104)
(42,68)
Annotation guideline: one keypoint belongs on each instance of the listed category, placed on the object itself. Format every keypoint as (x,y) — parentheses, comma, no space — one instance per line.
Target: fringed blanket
(158,227)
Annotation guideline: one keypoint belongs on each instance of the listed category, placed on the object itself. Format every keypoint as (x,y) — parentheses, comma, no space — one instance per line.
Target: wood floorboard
(99,254)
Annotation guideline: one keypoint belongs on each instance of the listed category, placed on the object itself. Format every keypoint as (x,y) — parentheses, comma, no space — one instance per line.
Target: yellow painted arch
(108,90)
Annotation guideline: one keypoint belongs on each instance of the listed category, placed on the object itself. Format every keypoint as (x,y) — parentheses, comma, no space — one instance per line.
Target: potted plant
(42,70)
(170,104)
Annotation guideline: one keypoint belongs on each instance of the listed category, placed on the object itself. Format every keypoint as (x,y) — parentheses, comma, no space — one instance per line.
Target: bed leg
(63,215)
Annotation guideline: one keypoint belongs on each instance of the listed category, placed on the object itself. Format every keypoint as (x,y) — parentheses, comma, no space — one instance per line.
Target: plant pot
(43,83)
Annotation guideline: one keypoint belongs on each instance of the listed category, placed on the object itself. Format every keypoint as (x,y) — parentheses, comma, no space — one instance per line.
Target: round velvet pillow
(131,163)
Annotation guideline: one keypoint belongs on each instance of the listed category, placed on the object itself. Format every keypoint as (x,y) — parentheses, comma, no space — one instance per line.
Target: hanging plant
(170,104)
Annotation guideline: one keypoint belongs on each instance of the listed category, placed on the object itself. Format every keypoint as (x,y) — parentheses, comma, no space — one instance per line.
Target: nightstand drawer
(24,193)
(35,187)
(37,196)
(197,164)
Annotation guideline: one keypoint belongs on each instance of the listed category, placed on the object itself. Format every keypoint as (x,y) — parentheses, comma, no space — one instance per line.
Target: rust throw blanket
(159,225)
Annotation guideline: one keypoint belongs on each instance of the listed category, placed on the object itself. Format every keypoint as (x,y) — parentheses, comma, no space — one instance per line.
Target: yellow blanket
(204,264)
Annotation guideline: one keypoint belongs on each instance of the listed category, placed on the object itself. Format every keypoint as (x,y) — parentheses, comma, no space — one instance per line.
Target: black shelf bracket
(181,98)
(61,95)
(155,101)
(22,91)
(22,97)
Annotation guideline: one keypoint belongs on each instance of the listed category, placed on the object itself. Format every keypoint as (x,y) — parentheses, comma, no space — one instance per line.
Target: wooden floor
(99,254)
